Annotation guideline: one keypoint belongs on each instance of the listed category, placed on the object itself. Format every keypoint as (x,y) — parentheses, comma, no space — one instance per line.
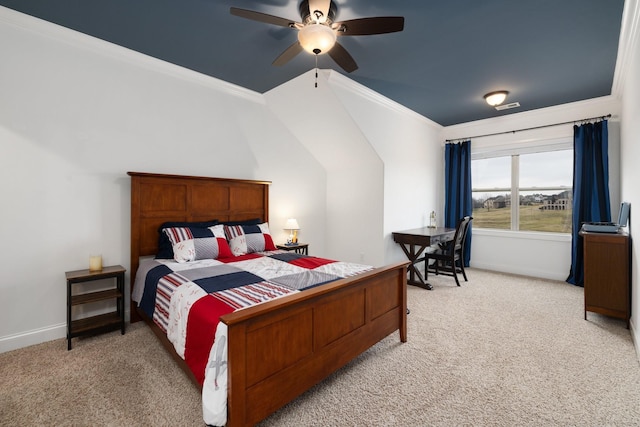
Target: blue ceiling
(544,52)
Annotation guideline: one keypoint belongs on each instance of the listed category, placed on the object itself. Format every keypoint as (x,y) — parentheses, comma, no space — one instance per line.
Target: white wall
(409,146)
(545,255)
(628,76)
(76,114)
(354,171)
(383,162)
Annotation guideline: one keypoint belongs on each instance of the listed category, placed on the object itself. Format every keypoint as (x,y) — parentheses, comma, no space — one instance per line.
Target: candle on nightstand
(95,263)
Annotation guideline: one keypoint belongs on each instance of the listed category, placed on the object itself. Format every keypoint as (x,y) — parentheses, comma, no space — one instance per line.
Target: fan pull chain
(316,71)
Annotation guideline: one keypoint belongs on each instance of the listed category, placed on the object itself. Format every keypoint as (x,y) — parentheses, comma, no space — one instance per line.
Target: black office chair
(449,256)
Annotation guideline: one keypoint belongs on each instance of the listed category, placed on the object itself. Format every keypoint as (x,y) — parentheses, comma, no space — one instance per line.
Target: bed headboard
(157,198)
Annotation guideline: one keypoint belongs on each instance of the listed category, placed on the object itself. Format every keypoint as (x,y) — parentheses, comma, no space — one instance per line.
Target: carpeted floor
(499,351)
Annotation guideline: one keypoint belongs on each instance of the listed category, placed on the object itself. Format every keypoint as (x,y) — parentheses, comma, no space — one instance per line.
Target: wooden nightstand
(299,248)
(102,322)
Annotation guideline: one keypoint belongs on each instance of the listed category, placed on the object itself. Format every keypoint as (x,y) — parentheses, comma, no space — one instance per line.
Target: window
(491,193)
(539,178)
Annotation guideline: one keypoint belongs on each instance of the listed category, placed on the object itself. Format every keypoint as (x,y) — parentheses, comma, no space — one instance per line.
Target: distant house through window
(539,178)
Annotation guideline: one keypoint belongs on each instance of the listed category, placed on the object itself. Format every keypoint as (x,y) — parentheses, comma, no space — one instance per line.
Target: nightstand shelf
(89,324)
(95,296)
(102,322)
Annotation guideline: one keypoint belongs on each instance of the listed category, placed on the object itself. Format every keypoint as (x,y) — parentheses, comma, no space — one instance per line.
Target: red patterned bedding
(186,301)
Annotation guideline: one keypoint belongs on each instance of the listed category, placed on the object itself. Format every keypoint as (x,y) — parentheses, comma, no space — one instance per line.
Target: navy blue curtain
(590,187)
(458,202)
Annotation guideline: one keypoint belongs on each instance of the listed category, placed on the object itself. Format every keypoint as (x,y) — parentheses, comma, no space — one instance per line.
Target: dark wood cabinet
(607,284)
(102,322)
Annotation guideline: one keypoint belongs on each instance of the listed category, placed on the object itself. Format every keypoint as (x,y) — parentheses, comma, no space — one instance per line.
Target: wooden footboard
(301,339)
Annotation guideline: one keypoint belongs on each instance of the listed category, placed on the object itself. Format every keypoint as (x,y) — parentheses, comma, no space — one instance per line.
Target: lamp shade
(496,98)
(317,38)
(292,224)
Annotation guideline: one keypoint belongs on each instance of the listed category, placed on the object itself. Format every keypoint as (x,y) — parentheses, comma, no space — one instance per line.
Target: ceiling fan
(318,31)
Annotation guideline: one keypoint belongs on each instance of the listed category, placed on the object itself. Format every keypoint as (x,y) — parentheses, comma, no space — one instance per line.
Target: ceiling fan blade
(342,58)
(368,26)
(288,54)
(322,6)
(263,17)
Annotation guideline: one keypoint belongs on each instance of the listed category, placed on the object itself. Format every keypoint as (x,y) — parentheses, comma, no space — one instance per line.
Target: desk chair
(448,253)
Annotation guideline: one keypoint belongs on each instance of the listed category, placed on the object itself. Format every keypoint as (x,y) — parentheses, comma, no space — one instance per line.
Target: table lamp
(293,227)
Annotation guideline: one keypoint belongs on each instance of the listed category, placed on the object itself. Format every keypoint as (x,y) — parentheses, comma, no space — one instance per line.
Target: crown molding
(628,45)
(104,48)
(338,80)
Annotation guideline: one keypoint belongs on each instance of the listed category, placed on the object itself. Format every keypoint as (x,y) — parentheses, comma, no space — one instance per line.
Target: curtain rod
(535,127)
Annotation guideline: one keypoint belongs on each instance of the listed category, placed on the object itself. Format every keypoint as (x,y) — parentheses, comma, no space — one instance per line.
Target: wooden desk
(414,242)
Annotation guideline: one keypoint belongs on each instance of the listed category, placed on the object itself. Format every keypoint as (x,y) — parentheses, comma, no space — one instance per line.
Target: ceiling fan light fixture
(496,98)
(317,38)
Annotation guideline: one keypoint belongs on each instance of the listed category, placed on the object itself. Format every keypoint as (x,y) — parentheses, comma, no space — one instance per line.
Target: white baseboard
(38,336)
(521,270)
(635,339)
(35,336)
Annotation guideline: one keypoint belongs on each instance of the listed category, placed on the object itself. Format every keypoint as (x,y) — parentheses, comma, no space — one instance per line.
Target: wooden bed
(299,339)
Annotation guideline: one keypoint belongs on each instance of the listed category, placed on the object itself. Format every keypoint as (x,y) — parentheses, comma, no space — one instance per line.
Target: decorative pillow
(194,243)
(246,239)
(165,247)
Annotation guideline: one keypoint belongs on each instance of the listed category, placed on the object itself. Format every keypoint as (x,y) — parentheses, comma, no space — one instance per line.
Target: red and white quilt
(186,301)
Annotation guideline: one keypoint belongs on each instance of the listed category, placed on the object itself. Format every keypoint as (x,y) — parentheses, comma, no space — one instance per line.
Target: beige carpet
(498,351)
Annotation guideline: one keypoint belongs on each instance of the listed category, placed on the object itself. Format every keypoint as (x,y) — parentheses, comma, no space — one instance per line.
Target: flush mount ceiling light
(496,98)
